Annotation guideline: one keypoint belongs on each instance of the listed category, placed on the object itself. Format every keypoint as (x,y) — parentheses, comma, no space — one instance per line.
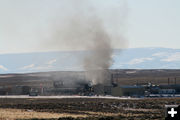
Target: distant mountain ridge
(132,58)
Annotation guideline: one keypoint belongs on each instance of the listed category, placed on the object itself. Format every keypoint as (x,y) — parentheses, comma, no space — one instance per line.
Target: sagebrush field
(85,108)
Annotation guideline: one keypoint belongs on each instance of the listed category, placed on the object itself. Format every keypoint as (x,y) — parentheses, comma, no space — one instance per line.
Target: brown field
(125,77)
(84,108)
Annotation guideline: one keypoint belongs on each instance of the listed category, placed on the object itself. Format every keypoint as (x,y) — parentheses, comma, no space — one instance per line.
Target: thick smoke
(99,59)
(83,29)
(90,35)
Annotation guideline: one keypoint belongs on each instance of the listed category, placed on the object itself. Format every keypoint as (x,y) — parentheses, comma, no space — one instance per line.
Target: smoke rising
(83,29)
(98,61)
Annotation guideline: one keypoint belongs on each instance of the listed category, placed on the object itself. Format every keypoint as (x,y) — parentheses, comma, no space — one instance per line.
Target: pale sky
(25,24)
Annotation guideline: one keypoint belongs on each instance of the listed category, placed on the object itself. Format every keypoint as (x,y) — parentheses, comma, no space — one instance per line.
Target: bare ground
(85,108)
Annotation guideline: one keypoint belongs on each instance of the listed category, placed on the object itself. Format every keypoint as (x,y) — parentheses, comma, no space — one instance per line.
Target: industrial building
(135,91)
(75,83)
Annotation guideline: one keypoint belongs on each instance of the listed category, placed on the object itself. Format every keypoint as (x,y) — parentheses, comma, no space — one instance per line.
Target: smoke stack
(175,80)
(114,80)
(137,82)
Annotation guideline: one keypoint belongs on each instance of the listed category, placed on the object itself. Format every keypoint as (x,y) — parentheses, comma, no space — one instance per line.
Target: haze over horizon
(136,58)
(25,24)
(91,34)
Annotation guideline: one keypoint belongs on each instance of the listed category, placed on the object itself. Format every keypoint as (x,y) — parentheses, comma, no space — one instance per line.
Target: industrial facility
(75,83)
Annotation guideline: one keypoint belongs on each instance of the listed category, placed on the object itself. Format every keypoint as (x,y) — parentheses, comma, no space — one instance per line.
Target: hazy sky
(26,24)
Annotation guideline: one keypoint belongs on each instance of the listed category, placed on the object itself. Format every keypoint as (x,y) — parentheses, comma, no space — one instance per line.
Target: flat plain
(85,108)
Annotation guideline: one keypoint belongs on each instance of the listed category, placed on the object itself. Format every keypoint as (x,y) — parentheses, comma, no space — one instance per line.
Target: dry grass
(140,109)
(12,114)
